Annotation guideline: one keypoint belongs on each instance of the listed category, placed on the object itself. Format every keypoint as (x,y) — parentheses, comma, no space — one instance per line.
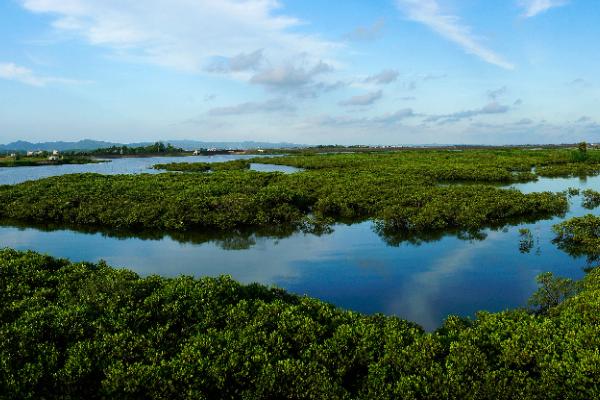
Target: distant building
(196,153)
(260,150)
(30,154)
(55,152)
(13,155)
(53,158)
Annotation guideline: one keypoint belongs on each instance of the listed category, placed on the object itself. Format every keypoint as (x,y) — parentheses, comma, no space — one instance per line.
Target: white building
(55,152)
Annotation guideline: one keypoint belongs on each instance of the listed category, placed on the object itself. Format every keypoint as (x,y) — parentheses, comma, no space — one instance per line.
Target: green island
(90,331)
(408,192)
(580,236)
(204,166)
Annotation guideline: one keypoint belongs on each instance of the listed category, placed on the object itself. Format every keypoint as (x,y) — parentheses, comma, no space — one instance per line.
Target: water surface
(352,267)
(126,165)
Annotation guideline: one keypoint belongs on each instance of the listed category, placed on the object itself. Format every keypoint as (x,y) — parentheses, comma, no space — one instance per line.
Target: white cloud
(429,13)
(14,72)
(497,93)
(363,100)
(366,122)
(289,76)
(184,34)
(392,118)
(298,79)
(491,108)
(273,105)
(529,131)
(384,77)
(524,121)
(414,81)
(531,8)
(240,62)
(580,83)
(366,33)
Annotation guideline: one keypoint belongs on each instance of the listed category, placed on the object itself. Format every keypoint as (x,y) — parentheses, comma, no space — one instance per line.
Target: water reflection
(419,278)
(420,293)
(234,239)
(127,165)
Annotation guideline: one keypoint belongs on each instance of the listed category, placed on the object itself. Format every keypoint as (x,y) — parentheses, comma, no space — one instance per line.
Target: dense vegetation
(500,165)
(240,198)
(153,149)
(90,331)
(579,236)
(591,199)
(204,166)
(81,330)
(580,169)
(407,193)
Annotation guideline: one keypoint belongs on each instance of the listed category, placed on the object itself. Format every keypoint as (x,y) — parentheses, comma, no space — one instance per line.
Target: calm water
(10,176)
(352,267)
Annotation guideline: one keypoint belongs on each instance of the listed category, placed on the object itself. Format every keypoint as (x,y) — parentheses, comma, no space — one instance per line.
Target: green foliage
(204,166)
(184,167)
(552,291)
(407,193)
(89,331)
(230,165)
(580,163)
(156,148)
(575,169)
(579,236)
(591,199)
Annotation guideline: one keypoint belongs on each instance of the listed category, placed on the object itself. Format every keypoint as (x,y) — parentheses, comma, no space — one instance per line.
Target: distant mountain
(194,144)
(88,144)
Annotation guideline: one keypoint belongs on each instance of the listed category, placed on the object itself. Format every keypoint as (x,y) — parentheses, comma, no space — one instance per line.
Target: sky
(303,71)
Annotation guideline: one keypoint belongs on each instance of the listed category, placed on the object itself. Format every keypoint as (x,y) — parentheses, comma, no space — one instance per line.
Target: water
(352,267)
(139,165)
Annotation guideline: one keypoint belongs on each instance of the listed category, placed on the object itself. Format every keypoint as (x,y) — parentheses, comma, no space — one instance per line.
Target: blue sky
(304,71)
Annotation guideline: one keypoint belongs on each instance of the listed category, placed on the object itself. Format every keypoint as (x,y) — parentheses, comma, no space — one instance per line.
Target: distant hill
(193,144)
(196,144)
(88,144)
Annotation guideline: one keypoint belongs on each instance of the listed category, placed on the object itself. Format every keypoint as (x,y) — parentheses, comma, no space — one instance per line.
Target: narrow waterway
(352,267)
